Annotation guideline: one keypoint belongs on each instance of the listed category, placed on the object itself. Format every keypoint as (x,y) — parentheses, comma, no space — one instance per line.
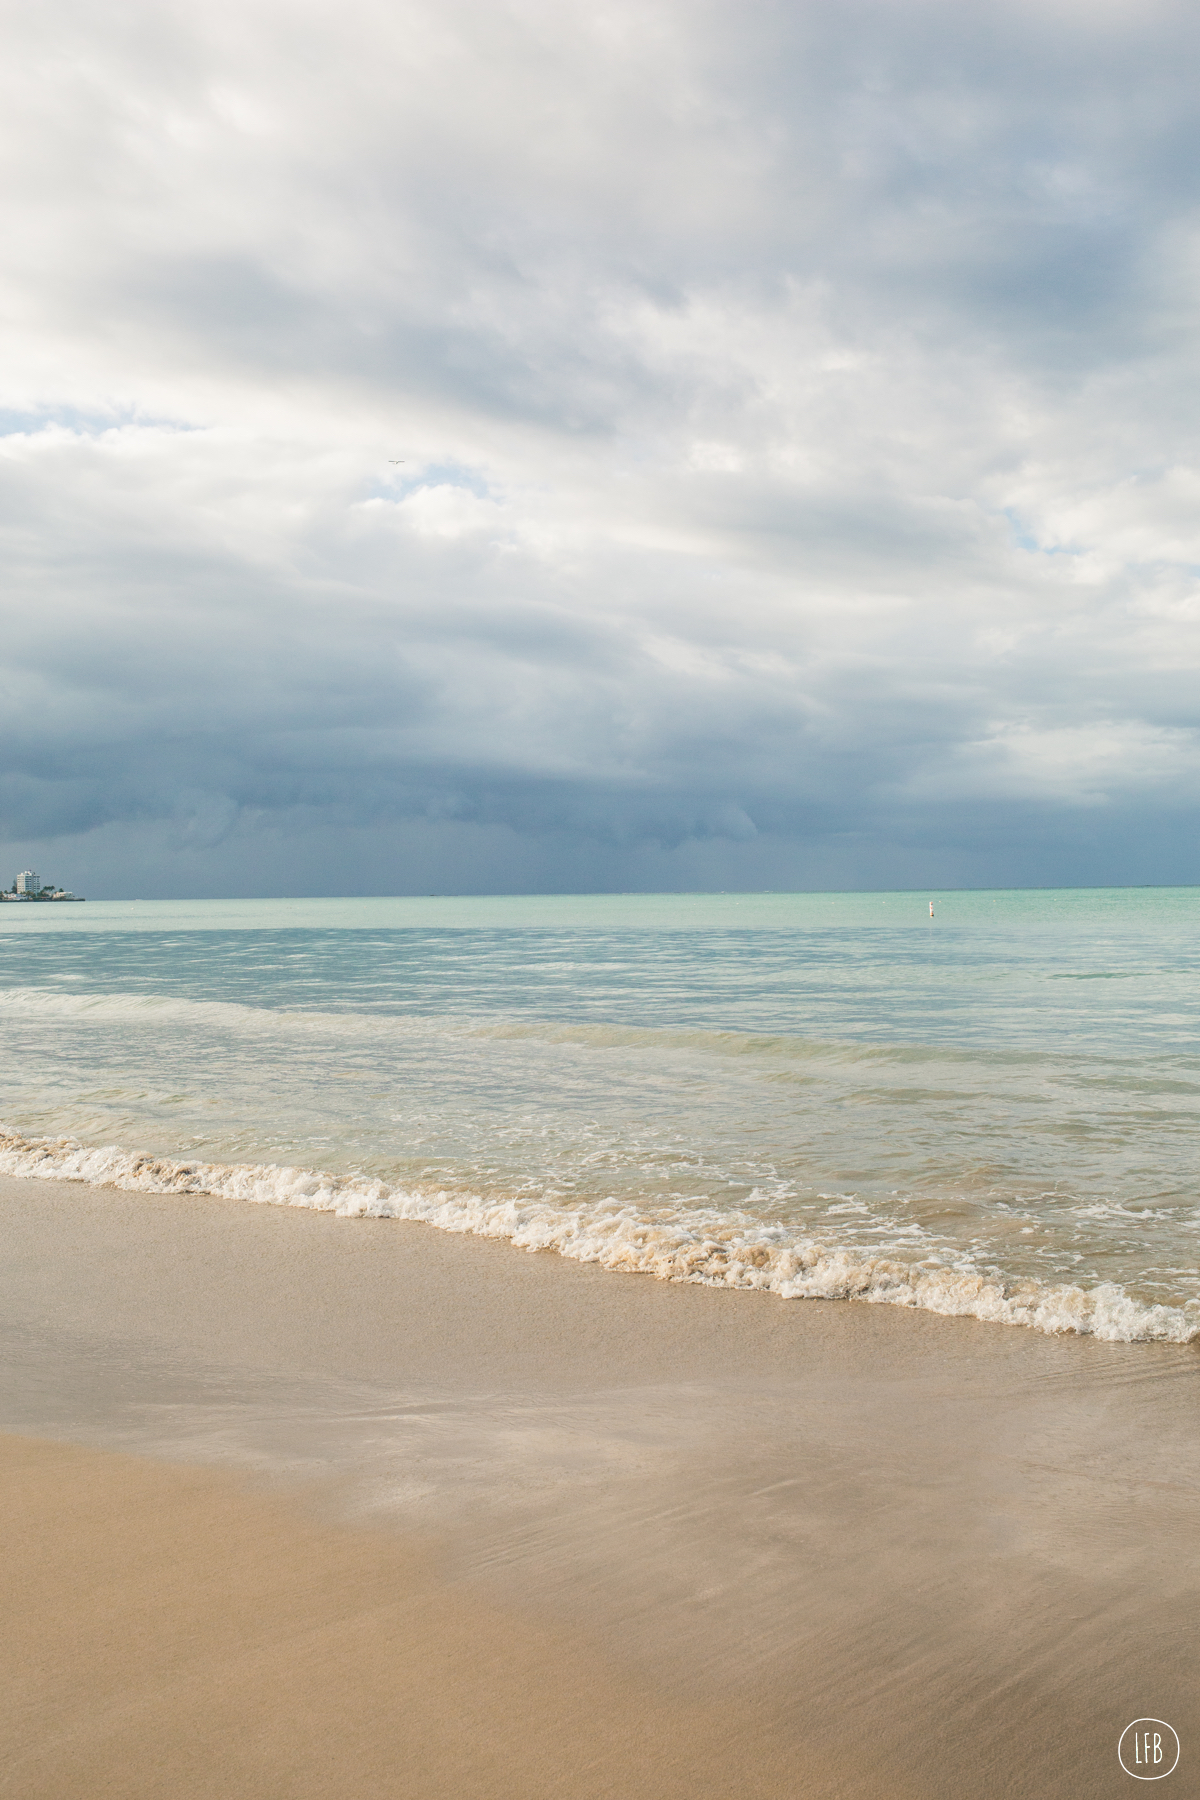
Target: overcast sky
(798,417)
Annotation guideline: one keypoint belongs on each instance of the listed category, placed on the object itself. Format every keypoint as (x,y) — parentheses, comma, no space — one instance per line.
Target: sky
(528,446)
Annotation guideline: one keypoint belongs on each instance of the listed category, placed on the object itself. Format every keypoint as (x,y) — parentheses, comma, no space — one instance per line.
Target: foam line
(707,1250)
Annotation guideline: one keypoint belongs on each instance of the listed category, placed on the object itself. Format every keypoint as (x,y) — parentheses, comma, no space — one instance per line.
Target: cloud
(794,412)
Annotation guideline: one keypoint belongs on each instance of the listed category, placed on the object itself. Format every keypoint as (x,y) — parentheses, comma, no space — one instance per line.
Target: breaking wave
(707,1249)
(237,1018)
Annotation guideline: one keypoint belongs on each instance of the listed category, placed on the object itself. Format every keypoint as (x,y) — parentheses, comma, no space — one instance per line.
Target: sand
(176,1636)
(300,1506)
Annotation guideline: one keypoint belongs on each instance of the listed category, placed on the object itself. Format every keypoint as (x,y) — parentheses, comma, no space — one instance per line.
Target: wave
(781,1049)
(705,1250)
(233,1016)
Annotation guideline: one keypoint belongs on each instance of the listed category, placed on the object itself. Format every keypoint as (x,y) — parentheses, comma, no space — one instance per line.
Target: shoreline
(829,1550)
(733,1252)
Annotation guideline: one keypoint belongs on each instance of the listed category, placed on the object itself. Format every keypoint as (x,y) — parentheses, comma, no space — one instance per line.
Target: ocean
(990,1112)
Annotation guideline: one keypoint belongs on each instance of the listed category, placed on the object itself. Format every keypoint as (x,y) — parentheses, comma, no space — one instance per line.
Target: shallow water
(990,1112)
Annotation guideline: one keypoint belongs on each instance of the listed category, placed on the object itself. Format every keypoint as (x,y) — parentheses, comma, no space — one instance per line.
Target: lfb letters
(1148,1749)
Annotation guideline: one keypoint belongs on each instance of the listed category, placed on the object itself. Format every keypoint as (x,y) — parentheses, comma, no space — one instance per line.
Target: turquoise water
(990,1112)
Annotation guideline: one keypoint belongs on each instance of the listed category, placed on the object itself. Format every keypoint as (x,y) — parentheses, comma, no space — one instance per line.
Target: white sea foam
(701,1248)
(148,1009)
(235,1017)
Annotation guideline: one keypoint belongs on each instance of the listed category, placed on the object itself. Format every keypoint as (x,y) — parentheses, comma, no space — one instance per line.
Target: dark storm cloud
(796,407)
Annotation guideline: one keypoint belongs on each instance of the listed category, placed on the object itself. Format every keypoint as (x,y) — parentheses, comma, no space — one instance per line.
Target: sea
(989,1111)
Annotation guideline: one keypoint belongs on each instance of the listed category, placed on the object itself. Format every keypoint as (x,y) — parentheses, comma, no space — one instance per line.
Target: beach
(600,902)
(310,1505)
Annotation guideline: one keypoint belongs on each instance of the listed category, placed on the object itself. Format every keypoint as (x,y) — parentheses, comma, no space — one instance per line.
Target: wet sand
(304,1506)
(170,1634)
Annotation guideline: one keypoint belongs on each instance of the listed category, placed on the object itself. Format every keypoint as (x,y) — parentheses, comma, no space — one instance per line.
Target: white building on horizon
(28,882)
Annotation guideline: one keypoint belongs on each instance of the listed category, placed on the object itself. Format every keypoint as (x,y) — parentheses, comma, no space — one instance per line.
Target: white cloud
(442,510)
(797,412)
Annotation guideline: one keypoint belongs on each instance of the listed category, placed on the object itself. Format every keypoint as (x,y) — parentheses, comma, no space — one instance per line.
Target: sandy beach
(304,1506)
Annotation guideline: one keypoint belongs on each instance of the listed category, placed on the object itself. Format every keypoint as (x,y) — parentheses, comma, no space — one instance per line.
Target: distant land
(28,886)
